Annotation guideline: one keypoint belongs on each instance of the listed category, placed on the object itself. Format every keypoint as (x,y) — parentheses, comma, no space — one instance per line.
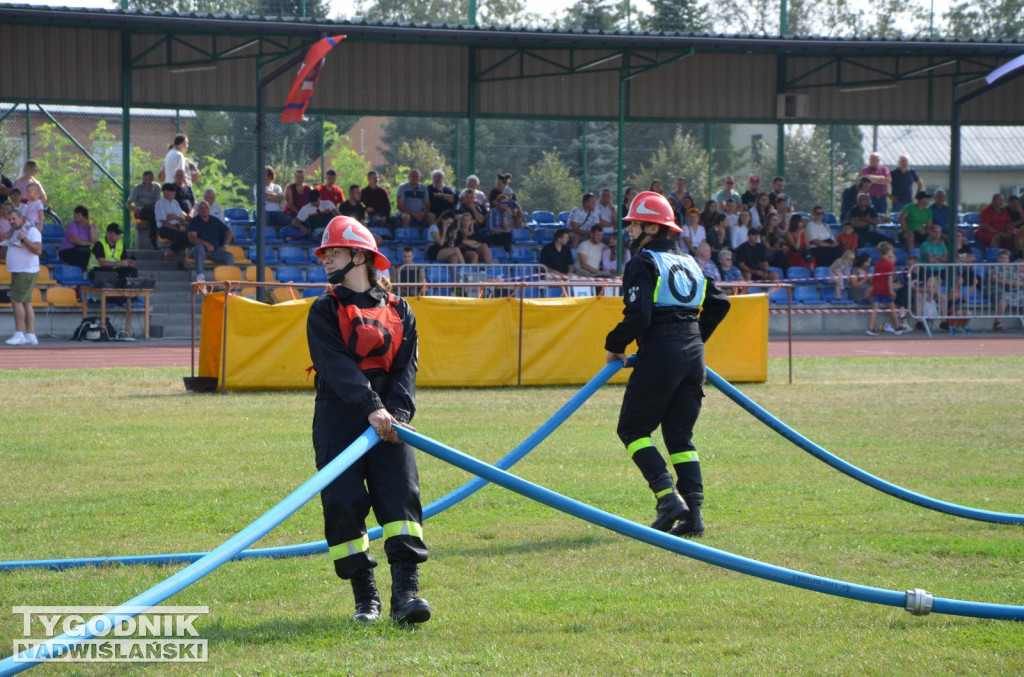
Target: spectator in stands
(23,247)
(29,172)
(749,197)
(15,198)
(656,187)
(6,209)
(606,215)
(728,192)
(501,187)
(499,223)
(732,214)
(581,218)
(728,271)
(1016,224)
(173,223)
(314,216)
(761,210)
(824,247)
(847,237)
(779,191)
(693,232)
(208,238)
(441,196)
(353,206)
(468,205)
(994,224)
(443,237)
(473,184)
(675,198)
(864,218)
(274,194)
(413,205)
(110,252)
(589,253)
(330,191)
(934,249)
(860,281)
(377,202)
(752,259)
(841,269)
(883,290)
(916,221)
(718,235)
(881,179)
(216,210)
(175,160)
(79,237)
(296,194)
(34,207)
(905,183)
(706,264)
(1005,279)
(5,188)
(627,199)
(141,201)
(774,240)
(609,255)
(783,209)
(738,228)
(556,255)
(798,249)
(183,193)
(472,245)
(710,214)
(849,199)
(407,272)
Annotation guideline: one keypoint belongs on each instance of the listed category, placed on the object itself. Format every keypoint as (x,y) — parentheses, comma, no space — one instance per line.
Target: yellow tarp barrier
(468,342)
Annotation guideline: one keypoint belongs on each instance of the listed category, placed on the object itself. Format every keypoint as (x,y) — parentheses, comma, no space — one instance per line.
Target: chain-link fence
(552,162)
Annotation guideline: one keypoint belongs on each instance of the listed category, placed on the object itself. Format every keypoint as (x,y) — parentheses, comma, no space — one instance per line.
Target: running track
(60,354)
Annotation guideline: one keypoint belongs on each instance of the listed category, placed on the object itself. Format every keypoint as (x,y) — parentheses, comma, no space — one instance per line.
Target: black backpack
(92,330)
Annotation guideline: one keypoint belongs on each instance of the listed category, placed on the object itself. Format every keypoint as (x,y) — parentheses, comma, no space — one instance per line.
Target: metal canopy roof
(213,61)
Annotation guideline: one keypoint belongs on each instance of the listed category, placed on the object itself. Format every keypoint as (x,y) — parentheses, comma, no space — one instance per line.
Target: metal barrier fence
(957,293)
(495,280)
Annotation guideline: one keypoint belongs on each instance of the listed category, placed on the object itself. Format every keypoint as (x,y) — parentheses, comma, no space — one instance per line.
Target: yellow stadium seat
(5,275)
(240,258)
(62,297)
(282,294)
(37,298)
(268,274)
(44,276)
(221,273)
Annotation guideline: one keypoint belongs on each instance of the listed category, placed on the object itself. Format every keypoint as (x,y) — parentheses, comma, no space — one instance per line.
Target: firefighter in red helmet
(363,344)
(671,309)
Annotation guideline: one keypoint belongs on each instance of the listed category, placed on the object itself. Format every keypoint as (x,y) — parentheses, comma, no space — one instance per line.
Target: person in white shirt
(606,214)
(175,160)
(274,195)
(216,210)
(588,254)
(23,247)
(172,223)
(582,218)
(314,216)
(823,246)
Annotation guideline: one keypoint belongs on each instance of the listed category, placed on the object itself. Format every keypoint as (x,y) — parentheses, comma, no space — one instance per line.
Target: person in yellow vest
(109,252)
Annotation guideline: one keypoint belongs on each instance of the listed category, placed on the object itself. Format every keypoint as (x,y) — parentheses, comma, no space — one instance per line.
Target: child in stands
(883,289)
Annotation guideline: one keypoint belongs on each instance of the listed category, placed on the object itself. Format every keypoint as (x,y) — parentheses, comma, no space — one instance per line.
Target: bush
(549,185)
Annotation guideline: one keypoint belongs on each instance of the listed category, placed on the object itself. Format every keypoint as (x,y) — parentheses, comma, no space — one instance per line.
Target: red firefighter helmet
(344,231)
(651,207)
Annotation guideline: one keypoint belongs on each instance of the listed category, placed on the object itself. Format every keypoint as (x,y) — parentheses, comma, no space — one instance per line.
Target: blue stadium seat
(992,254)
(390,254)
(292,255)
(270,235)
(239,235)
(822,273)
(52,233)
(779,296)
(498,255)
(798,273)
(807,294)
(408,236)
(521,236)
(238,215)
(542,218)
(69,275)
(901,257)
(915,252)
(312,292)
(49,254)
(970,218)
(828,295)
(778,271)
(544,235)
(382,232)
(563,218)
(523,255)
(289,274)
(438,274)
(292,234)
(269,254)
(872,252)
(830,219)
(316,274)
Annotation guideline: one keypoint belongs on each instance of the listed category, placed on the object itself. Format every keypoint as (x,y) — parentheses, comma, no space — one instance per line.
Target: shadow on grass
(311,629)
(529,546)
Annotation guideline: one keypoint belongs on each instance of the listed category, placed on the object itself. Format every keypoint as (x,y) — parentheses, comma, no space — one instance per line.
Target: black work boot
(364,589)
(670,508)
(693,525)
(406,606)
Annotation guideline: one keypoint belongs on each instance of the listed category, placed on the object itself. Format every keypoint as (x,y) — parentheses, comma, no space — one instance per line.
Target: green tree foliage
(342,158)
(508,13)
(811,177)
(232,191)
(317,9)
(594,15)
(550,185)
(687,16)
(988,19)
(682,155)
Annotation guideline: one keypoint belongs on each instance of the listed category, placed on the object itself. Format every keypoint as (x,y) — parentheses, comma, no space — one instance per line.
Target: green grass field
(114,462)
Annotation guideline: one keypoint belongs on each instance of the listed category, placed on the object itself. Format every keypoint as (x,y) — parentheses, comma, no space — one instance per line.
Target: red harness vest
(372,334)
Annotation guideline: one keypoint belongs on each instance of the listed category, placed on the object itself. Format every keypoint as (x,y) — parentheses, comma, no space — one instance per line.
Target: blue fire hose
(316,547)
(853,471)
(57,646)
(917,601)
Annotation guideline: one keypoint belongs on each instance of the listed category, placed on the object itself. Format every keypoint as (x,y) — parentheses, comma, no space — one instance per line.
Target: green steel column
(126,134)
(621,162)
(784,18)
(472,12)
(458,152)
(177,125)
(28,133)
(323,147)
(832,168)
(583,156)
(471,102)
(709,146)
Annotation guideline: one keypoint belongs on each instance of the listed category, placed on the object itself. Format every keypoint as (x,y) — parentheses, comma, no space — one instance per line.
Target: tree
(687,16)
(594,15)
(984,19)
(342,158)
(507,13)
(683,155)
(812,178)
(549,185)
(316,9)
